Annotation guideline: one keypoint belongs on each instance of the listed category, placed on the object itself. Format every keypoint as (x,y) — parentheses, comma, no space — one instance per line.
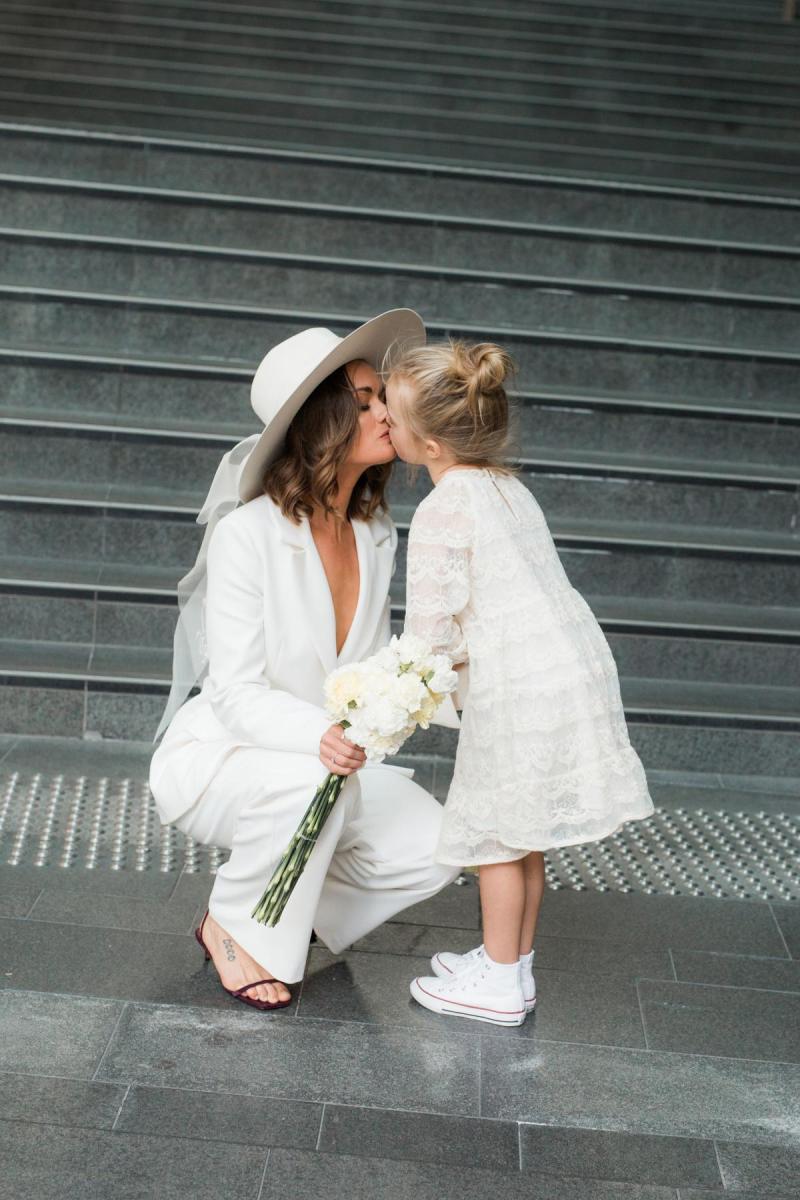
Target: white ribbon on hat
(190,652)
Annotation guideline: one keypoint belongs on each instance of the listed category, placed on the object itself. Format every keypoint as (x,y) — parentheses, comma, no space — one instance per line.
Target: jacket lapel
(375,548)
(377,564)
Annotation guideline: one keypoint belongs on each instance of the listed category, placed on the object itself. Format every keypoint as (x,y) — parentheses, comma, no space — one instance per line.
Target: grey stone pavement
(662,1060)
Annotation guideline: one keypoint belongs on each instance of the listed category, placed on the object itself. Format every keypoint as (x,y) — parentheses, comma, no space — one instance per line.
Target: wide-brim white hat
(288,374)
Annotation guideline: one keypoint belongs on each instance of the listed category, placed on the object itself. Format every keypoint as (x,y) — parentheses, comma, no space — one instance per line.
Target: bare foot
(236,968)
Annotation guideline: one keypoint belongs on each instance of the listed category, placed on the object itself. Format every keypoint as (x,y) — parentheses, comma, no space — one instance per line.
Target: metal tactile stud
(112,823)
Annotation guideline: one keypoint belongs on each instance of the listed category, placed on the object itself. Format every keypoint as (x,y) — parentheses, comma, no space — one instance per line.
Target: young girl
(543,757)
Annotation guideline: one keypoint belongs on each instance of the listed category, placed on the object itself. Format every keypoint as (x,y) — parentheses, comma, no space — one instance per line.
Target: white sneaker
(445,964)
(472,993)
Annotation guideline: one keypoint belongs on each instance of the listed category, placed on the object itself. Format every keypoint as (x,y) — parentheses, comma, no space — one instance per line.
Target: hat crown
(286,366)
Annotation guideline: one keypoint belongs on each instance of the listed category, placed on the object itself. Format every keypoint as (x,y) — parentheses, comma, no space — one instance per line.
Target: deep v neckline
(361,573)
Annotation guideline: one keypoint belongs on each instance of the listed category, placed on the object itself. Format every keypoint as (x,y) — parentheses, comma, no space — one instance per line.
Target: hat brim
(369,342)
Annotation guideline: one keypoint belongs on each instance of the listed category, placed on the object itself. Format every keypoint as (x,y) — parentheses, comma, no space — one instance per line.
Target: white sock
(505,975)
(526,959)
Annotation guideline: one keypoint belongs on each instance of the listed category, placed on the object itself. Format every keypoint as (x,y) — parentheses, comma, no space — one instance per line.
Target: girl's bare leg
(533,865)
(503,895)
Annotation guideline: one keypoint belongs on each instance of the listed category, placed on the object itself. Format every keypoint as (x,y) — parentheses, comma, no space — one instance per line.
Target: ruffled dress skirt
(544,757)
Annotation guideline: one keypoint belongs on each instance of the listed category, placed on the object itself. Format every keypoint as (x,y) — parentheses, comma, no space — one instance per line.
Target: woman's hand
(337,754)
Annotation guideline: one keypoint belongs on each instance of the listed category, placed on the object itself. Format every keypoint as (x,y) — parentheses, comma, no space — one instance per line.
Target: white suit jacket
(271,640)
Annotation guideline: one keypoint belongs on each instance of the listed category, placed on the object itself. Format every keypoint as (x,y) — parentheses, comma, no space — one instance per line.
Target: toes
(272,993)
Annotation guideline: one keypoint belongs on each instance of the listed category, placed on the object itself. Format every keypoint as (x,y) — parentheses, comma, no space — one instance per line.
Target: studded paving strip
(111,823)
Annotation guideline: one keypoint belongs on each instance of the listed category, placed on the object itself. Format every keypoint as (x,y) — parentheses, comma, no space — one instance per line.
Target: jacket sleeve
(241,694)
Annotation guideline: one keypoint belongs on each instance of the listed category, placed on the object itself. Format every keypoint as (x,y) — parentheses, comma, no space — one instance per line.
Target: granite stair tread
(580,459)
(693,21)
(686,700)
(785,408)
(565,529)
(305,175)
(733,17)
(170,198)
(409,34)
(533,89)
(632,106)
(69,299)
(246,111)
(124,581)
(582,275)
(578,156)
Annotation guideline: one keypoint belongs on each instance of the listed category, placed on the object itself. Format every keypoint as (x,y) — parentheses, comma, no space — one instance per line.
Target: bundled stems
(270,907)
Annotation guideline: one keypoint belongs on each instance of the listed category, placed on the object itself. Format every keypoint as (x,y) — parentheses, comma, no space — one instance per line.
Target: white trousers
(373,858)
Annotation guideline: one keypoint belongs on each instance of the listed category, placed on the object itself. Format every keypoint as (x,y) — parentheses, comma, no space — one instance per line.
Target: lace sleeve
(438,572)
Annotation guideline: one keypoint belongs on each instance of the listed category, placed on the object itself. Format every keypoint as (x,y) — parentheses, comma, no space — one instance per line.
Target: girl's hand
(337,754)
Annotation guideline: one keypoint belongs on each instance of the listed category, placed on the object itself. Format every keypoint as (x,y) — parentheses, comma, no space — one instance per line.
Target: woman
(297,584)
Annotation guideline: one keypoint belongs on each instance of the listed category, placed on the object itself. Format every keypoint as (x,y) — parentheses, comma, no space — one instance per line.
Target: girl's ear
(433,448)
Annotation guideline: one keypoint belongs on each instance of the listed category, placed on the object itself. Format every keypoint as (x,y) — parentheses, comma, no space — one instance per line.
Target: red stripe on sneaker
(508,1012)
(441,964)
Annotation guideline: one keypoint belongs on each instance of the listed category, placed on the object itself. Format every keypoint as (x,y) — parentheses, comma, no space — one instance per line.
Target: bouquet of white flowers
(381,701)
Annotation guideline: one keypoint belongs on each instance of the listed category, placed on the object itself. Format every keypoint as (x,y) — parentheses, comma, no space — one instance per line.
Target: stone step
(126,527)
(128,219)
(117,591)
(689,110)
(528,22)
(123,467)
(116,712)
(429,41)
(160,272)
(515,138)
(751,705)
(82,322)
(734,16)
(752,16)
(91,708)
(677,16)
(580,153)
(144,630)
(526,92)
(602,442)
(90,389)
(504,202)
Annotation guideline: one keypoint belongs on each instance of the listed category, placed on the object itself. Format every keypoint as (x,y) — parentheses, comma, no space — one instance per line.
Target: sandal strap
(247,986)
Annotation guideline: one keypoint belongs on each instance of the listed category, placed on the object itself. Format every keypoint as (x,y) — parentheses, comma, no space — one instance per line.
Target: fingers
(339,755)
(336,765)
(341,741)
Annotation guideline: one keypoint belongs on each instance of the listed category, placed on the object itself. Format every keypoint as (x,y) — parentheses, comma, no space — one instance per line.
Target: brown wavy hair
(317,443)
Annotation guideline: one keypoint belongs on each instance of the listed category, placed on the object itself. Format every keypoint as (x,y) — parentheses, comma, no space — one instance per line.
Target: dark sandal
(238,993)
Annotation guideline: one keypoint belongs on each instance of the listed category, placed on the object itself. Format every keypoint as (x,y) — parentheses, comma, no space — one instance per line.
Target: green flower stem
(270,907)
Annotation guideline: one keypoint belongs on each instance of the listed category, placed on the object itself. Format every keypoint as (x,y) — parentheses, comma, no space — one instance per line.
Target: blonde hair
(460,399)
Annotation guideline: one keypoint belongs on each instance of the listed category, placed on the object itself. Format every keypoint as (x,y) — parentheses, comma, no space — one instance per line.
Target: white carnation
(386,697)
(409,648)
(444,678)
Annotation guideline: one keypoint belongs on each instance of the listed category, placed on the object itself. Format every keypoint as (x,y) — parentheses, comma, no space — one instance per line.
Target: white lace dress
(544,757)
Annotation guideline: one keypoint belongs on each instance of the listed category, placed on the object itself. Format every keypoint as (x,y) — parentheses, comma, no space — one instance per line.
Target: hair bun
(490,366)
